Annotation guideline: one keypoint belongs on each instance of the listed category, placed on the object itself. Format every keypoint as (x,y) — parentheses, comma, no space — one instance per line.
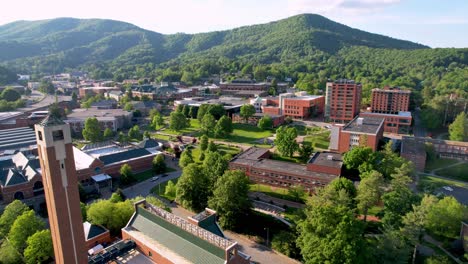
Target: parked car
(447,188)
(165,175)
(154,178)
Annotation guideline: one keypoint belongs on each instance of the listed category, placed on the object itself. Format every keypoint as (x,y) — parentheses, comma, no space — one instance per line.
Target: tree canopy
(458,130)
(286,140)
(92,130)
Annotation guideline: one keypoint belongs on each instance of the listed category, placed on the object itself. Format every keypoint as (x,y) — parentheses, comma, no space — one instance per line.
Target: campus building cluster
(257,164)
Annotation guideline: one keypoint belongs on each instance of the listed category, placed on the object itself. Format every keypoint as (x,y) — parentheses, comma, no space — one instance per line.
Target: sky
(436,23)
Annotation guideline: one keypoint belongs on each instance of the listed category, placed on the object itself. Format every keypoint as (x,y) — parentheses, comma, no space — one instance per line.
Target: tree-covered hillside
(52,45)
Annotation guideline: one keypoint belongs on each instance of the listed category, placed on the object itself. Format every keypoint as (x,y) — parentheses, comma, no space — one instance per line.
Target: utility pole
(268,235)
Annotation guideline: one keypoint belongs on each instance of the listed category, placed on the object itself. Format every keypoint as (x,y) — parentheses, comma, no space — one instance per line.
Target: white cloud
(338,7)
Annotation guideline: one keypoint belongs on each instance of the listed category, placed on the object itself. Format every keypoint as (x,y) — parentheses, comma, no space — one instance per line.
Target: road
(143,188)
(48,100)
(418,129)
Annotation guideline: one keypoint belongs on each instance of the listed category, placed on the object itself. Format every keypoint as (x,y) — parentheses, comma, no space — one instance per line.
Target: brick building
(259,168)
(244,87)
(20,176)
(297,106)
(167,238)
(390,100)
(95,235)
(108,118)
(361,131)
(392,104)
(343,100)
(91,91)
(414,149)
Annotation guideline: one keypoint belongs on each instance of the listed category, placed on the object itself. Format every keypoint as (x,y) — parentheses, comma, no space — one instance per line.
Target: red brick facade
(395,124)
(390,100)
(343,101)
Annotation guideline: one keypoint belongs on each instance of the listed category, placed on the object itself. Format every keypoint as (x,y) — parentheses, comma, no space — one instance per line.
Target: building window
(39,133)
(57,135)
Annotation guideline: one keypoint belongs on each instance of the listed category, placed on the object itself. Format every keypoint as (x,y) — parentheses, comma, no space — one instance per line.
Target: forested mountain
(69,42)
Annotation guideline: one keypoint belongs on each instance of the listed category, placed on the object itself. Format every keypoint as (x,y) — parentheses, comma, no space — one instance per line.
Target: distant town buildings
(343,100)
(232,105)
(361,131)
(108,118)
(321,169)
(244,87)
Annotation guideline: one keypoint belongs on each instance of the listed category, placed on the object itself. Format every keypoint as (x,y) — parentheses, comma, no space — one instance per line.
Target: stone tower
(61,190)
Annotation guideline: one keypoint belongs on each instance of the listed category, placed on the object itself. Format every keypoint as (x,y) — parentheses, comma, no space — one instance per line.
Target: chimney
(360,120)
(330,157)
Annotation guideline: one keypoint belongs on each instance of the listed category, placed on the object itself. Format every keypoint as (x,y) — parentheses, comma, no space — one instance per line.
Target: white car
(154,178)
(447,188)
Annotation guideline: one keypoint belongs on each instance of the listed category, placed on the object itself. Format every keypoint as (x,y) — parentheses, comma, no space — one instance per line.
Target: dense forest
(309,49)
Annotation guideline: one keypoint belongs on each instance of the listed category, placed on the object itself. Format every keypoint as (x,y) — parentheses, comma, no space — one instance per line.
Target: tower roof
(51,120)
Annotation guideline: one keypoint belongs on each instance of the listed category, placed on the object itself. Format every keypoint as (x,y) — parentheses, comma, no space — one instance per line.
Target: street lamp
(268,235)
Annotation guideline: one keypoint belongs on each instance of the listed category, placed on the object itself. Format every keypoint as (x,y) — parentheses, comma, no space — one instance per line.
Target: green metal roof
(181,242)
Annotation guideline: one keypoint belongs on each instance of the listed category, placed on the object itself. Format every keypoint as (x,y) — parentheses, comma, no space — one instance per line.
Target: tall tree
(286,140)
(159,164)
(108,133)
(223,127)
(193,188)
(230,199)
(186,111)
(39,248)
(24,226)
(10,95)
(369,192)
(214,165)
(157,121)
(186,158)
(247,111)
(305,150)
(126,174)
(458,130)
(266,122)
(203,142)
(356,156)
(453,214)
(177,121)
(92,130)
(11,212)
(208,123)
(331,233)
(134,133)
(113,216)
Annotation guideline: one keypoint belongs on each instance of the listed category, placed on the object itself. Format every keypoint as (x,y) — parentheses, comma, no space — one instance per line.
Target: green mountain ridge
(70,42)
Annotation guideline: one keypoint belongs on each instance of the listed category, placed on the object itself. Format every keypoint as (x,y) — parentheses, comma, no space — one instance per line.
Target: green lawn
(143,176)
(458,172)
(280,193)
(159,136)
(318,141)
(160,189)
(276,156)
(247,134)
(439,163)
(427,182)
(193,130)
(222,148)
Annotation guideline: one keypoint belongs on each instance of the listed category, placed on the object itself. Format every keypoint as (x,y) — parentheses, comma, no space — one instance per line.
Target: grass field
(439,163)
(143,176)
(193,130)
(430,182)
(223,149)
(458,172)
(319,141)
(161,188)
(247,134)
(276,156)
(272,191)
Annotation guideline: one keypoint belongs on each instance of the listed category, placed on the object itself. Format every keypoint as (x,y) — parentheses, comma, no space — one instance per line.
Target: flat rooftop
(251,157)
(400,114)
(410,145)
(17,138)
(94,112)
(159,232)
(366,125)
(328,159)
